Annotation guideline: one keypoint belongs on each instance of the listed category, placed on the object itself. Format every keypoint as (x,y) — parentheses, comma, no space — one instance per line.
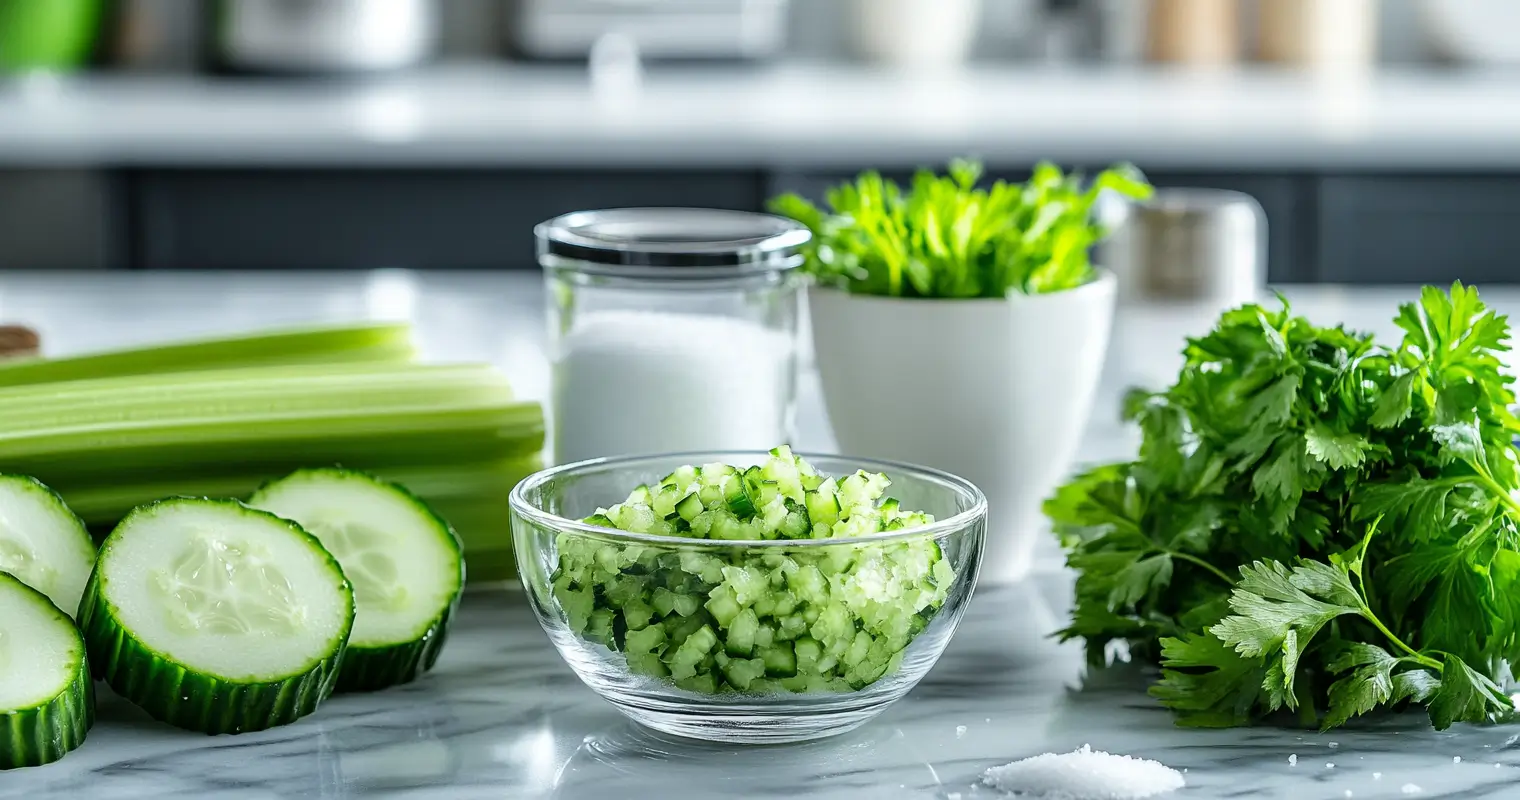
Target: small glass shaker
(671,329)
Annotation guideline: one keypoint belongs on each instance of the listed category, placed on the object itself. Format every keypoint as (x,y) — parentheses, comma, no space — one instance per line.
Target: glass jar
(671,329)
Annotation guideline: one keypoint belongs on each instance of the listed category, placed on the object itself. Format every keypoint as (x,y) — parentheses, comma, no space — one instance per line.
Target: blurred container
(1194,32)
(921,34)
(154,34)
(1122,34)
(1320,34)
(48,34)
(708,29)
(324,35)
(1478,31)
(1182,259)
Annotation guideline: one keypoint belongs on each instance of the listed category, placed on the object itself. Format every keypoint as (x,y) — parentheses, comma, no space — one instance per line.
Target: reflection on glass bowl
(842,650)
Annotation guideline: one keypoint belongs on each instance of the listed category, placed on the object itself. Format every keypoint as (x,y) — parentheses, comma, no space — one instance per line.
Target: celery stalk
(359,415)
(454,434)
(360,342)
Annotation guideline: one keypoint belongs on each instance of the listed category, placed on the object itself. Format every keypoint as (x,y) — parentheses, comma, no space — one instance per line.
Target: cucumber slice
(216,617)
(405,564)
(47,700)
(43,543)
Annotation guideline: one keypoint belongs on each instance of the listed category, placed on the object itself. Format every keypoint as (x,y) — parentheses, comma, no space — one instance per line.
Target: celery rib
(454,434)
(363,342)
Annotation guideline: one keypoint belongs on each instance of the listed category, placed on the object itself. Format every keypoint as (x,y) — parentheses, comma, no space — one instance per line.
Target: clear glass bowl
(545,512)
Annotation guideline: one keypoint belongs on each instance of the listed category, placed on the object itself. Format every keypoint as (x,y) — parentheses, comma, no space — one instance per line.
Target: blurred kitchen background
(1382,138)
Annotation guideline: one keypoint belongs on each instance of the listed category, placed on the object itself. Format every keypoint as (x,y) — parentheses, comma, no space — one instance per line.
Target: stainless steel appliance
(745,29)
(323,35)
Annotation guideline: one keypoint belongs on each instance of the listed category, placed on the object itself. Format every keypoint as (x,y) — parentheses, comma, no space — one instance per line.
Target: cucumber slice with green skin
(43,543)
(404,562)
(216,617)
(47,700)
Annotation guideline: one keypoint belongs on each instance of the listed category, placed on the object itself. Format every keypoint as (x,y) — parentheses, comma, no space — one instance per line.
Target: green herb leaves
(945,237)
(1315,522)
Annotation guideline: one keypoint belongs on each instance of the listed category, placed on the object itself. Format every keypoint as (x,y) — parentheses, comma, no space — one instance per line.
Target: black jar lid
(671,243)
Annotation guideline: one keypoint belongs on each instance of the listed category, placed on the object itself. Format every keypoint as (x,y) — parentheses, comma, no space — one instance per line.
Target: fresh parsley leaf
(1278,613)
(1139,579)
(1208,684)
(1396,402)
(1369,684)
(1416,685)
(1417,506)
(1466,695)
(1460,441)
(1339,450)
(1341,519)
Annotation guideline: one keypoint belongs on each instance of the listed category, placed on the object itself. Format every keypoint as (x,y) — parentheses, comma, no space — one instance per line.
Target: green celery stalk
(356,414)
(454,434)
(361,342)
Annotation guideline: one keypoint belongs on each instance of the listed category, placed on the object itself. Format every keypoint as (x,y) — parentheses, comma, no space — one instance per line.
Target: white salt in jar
(671,329)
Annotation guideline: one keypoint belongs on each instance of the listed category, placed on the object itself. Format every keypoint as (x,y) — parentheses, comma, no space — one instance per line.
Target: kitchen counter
(770,116)
(502,716)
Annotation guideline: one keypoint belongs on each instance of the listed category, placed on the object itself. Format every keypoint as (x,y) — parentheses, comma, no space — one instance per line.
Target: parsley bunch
(1315,523)
(945,237)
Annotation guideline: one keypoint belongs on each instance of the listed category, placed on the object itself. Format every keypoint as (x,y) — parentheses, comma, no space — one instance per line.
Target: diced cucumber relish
(825,618)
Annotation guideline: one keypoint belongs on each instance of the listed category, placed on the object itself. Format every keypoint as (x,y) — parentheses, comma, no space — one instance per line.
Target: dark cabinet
(1419,229)
(1371,228)
(425,219)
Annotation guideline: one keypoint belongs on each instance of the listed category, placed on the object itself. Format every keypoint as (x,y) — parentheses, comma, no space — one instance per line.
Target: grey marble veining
(503,717)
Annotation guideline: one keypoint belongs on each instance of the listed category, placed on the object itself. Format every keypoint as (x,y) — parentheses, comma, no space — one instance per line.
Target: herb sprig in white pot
(964,328)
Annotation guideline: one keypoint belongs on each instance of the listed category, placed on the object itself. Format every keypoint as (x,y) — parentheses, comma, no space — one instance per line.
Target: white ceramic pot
(996,391)
(922,34)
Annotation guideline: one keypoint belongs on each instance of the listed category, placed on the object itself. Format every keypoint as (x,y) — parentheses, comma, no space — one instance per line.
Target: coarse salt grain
(1456,759)
(1085,774)
(1292,759)
(1348,792)
(1377,776)
(960,730)
(1335,745)
(1329,765)
(1410,788)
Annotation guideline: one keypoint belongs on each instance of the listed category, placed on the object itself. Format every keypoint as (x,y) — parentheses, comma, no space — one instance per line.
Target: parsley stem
(1206,565)
(1498,491)
(1424,660)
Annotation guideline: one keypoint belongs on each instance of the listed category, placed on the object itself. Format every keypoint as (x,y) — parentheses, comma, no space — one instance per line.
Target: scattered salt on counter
(1292,759)
(1329,765)
(1410,788)
(1456,759)
(1085,774)
(960,730)
(647,382)
(1335,744)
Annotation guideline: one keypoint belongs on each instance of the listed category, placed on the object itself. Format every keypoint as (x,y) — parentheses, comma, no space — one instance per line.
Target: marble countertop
(503,717)
(785,115)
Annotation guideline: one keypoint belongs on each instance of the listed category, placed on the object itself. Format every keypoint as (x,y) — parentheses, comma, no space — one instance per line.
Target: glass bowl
(846,639)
